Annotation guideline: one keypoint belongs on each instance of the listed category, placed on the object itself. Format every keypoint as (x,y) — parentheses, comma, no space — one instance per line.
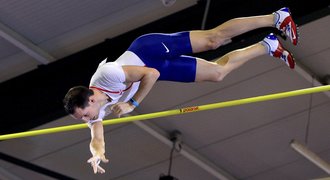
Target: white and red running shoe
(276,49)
(285,23)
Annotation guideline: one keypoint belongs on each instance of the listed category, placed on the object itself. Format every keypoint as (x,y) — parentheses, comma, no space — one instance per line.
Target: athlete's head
(80,103)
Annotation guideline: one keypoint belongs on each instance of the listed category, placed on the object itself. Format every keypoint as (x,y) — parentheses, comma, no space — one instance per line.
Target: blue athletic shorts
(166,53)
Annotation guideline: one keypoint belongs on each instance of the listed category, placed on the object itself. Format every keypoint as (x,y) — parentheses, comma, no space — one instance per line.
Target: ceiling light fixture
(176,138)
(168,3)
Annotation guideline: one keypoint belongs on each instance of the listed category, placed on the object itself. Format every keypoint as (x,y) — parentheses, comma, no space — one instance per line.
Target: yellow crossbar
(172,112)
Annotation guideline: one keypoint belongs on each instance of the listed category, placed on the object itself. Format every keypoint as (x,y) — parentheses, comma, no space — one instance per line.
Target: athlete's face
(90,112)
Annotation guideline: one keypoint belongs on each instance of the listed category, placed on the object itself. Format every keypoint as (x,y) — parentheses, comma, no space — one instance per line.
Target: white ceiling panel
(42,20)
(299,169)
(313,63)
(15,65)
(7,49)
(261,149)
(319,133)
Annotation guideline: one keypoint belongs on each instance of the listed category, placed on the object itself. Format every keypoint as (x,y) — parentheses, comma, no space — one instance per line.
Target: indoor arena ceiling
(48,46)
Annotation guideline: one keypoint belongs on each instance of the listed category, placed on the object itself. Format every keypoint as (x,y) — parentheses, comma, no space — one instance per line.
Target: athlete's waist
(129,58)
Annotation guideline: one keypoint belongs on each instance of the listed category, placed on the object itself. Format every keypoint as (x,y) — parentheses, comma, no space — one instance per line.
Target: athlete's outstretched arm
(146,76)
(97,147)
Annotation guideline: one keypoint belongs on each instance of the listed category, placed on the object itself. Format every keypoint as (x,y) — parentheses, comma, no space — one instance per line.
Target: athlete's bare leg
(203,40)
(216,71)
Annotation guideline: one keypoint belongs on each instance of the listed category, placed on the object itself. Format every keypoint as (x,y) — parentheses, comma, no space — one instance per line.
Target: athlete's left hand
(121,108)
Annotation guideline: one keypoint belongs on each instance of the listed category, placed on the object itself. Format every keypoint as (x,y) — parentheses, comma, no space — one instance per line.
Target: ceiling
(48,46)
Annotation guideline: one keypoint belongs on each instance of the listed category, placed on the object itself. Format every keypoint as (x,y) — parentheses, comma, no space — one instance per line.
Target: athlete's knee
(217,75)
(216,39)
(212,44)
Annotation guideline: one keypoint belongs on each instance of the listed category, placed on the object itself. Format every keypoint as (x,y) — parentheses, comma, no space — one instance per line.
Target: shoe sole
(294,29)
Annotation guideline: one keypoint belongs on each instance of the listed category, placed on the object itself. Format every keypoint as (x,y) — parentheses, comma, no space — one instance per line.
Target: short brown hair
(76,97)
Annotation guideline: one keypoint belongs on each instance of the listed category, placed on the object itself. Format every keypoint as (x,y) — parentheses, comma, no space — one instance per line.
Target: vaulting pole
(173,112)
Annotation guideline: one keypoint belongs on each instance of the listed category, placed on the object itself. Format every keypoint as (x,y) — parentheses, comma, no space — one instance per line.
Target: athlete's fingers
(100,169)
(94,161)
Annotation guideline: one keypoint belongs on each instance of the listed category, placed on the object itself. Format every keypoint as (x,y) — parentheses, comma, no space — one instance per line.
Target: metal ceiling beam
(186,151)
(310,155)
(310,78)
(24,44)
(206,12)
